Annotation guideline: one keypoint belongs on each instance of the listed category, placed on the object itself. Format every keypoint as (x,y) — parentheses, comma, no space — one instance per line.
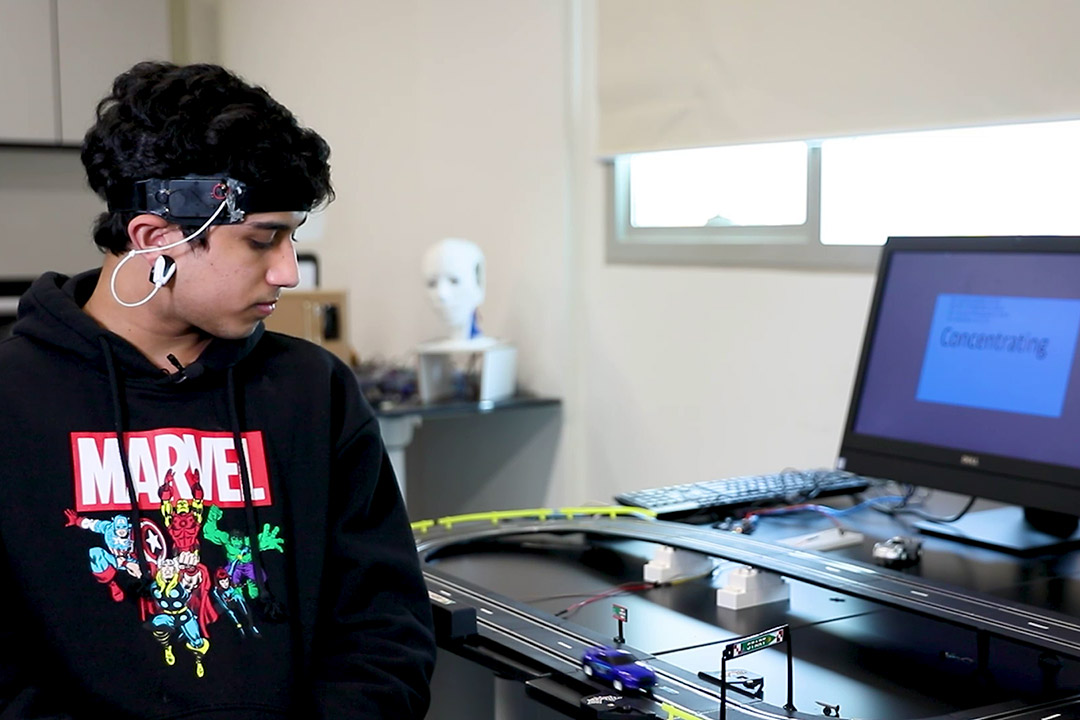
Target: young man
(160,447)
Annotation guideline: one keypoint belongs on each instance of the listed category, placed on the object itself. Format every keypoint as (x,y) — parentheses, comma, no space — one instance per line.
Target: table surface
(451,408)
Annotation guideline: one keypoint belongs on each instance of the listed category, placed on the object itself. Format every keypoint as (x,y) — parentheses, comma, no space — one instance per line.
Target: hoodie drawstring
(271,608)
(136,514)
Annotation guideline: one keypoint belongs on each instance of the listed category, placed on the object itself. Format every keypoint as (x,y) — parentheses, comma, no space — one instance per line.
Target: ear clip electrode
(163,270)
(164,267)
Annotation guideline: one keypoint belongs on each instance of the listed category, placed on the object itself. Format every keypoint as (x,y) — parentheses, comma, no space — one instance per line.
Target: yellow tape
(674,712)
(494,516)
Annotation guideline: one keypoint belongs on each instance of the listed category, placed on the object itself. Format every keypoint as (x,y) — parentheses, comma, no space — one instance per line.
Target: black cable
(908,491)
(904,510)
(954,518)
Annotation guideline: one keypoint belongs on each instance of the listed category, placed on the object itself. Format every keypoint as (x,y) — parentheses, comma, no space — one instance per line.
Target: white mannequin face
(454,274)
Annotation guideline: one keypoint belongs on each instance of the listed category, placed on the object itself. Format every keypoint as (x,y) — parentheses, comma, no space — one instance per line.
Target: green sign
(620,613)
(755,642)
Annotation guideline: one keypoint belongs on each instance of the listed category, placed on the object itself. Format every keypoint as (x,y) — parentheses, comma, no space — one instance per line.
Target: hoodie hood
(51,313)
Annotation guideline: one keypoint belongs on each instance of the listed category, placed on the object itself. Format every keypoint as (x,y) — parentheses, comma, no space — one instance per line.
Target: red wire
(625,587)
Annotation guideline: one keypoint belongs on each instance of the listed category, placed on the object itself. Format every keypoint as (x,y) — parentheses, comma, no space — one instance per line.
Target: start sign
(754,643)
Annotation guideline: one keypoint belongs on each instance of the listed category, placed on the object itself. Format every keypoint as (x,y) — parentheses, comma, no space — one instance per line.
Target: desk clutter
(492,365)
(386,385)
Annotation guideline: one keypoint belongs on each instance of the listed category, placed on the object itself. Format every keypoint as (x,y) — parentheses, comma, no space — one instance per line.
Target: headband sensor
(191,200)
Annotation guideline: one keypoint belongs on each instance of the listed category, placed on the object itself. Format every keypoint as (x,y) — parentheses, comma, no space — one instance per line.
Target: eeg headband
(187,201)
(184,201)
(193,199)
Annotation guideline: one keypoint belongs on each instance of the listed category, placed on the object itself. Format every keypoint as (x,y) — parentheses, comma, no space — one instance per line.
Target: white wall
(465,119)
(445,119)
(698,374)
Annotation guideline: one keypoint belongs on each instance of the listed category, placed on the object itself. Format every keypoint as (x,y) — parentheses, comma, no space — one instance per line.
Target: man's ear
(147,231)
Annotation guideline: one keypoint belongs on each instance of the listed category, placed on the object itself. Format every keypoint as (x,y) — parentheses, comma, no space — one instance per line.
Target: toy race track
(545,651)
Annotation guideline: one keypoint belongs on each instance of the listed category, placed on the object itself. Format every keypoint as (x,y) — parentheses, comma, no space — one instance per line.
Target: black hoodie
(301,598)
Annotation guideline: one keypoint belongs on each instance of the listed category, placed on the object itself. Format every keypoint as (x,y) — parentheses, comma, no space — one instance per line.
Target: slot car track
(544,651)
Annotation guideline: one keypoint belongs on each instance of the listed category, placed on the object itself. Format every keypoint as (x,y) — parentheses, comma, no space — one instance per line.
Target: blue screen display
(976,352)
(1012,354)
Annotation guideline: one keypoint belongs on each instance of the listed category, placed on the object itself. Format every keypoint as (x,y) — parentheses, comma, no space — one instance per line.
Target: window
(745,186)
(830,203)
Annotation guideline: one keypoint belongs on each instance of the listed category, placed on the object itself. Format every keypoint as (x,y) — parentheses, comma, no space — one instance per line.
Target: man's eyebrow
(269,225)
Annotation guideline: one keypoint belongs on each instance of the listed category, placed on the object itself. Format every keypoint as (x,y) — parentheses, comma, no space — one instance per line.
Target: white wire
(133,253)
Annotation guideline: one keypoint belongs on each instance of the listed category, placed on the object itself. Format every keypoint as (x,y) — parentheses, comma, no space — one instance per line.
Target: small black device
(185,201)
(829,710)
(743,681)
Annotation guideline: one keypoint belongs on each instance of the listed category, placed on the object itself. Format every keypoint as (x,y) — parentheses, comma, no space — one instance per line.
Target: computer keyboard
(717,496)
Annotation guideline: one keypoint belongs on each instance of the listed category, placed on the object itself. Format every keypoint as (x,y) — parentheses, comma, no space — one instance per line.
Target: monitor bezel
(1005,479)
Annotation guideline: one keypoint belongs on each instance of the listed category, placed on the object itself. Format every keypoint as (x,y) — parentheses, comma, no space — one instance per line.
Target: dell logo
(972,460)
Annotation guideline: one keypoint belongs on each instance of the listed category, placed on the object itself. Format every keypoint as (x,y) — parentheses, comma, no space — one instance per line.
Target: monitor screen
(969,379)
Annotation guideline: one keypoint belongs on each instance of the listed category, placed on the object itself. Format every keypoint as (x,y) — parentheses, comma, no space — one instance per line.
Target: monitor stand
(1011,529)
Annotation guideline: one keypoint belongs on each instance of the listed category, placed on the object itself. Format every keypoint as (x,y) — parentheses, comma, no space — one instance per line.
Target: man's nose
(284,269)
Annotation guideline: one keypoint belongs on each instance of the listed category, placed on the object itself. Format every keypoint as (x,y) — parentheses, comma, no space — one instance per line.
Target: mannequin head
(453,271)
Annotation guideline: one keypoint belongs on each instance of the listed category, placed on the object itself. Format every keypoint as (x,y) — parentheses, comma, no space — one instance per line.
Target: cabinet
(28,111)
(60,57)
(99,39)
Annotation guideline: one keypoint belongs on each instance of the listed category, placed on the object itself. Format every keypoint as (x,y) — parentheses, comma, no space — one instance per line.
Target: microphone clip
(181,374)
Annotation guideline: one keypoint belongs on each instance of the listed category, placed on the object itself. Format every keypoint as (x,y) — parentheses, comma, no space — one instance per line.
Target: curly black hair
(163,120)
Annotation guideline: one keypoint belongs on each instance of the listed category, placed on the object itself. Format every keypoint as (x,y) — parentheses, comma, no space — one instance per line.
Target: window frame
(780,246)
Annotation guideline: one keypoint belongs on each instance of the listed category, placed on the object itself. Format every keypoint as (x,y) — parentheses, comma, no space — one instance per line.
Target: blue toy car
(619,667)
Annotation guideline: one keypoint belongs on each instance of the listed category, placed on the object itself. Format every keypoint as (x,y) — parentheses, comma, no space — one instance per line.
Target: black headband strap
(194,199)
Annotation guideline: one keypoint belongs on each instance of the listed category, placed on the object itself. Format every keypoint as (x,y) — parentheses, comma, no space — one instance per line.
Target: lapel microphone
(188,372)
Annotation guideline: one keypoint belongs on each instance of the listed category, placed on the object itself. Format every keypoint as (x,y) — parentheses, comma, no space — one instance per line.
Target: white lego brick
(749,587)
(669,563)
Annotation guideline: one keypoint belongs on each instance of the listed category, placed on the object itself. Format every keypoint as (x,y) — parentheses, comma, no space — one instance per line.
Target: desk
(399,422)
(871,659)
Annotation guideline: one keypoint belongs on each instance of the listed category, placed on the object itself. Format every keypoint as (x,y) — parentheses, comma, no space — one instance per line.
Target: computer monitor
(969,381)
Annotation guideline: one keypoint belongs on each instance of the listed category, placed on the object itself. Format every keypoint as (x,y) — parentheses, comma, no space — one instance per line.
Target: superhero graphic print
(202,576)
